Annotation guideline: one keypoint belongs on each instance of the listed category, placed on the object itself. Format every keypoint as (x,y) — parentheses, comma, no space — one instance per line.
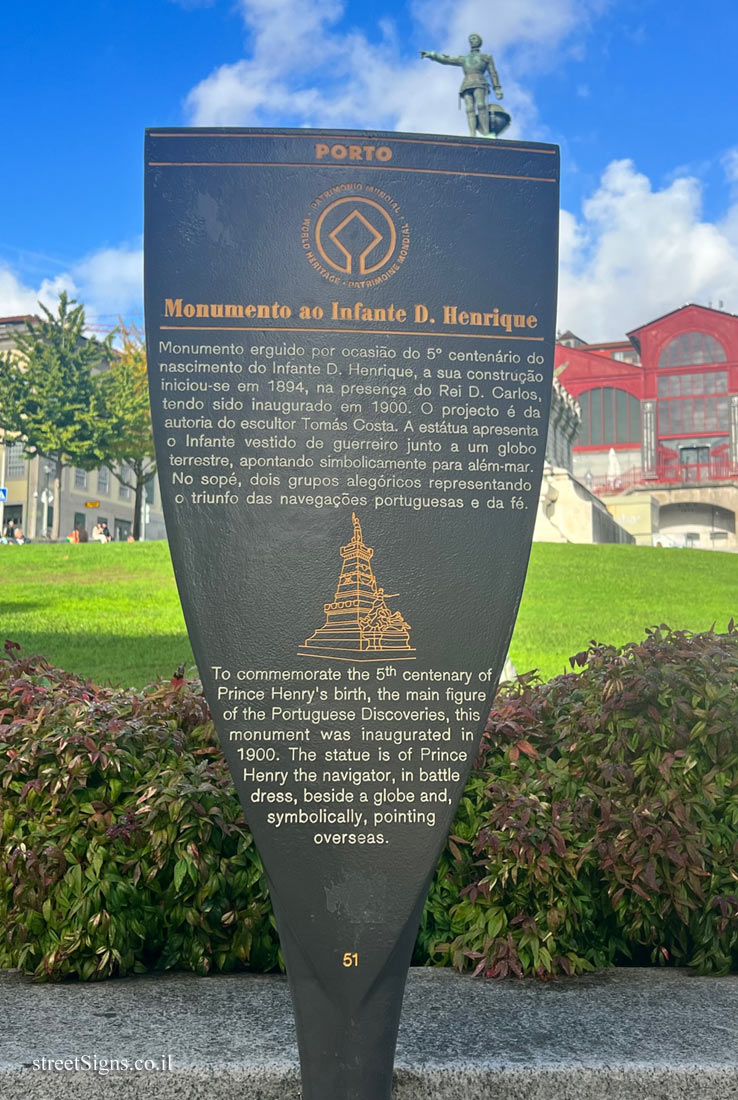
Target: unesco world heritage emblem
(359,624)
(355,235)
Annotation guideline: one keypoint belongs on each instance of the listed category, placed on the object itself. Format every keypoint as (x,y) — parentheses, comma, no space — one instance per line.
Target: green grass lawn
(111,612)
(108,612)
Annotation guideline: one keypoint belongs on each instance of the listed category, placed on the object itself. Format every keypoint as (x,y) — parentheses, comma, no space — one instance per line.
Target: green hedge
(599,826)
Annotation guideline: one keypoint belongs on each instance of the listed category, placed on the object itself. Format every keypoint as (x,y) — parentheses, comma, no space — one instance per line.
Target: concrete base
(614,1035)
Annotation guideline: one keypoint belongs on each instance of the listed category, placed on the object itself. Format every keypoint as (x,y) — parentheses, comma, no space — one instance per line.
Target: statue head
(475,41)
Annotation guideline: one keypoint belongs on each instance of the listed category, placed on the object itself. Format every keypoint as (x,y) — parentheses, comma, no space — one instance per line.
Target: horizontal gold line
(357,137)
(364,167)
(368,331)
(354,660)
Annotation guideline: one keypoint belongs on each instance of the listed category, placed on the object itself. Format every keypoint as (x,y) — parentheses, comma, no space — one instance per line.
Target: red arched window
(690,348)
(609,415)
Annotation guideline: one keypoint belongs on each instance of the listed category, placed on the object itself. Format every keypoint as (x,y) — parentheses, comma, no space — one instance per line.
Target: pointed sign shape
(349,469)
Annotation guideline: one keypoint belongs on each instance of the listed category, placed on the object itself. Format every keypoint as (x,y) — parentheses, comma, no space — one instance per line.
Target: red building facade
(670,414)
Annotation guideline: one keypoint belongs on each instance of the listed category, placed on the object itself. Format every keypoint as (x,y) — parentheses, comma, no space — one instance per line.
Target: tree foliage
(123,403)
(78,401)
(48,390)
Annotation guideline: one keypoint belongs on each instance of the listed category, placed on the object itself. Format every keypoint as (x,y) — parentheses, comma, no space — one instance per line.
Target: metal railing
(666,473)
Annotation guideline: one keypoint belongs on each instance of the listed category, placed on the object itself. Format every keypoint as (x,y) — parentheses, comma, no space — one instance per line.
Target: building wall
(25,492)
(688,432)
(25,503)
(637,513)
(568,512)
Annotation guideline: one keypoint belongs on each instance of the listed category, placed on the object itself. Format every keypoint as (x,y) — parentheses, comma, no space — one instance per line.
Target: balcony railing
(666,474)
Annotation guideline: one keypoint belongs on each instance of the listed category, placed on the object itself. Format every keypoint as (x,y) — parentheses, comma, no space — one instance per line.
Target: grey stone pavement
(615,1035)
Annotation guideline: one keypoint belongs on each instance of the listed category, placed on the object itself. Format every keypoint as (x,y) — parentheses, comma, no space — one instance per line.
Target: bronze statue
(474,90)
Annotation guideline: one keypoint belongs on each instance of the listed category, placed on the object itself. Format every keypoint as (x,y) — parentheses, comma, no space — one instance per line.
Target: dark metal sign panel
(350,343)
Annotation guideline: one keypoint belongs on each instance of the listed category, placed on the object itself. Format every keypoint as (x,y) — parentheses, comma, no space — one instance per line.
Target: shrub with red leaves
(123,847)
(600,823)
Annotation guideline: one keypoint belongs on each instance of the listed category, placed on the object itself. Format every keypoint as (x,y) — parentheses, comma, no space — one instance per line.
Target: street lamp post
(46,499)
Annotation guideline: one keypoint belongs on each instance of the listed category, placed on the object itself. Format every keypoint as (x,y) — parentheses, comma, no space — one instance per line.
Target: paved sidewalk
(615,1035)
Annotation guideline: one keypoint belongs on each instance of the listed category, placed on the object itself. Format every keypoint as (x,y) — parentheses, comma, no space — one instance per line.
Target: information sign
(350,347)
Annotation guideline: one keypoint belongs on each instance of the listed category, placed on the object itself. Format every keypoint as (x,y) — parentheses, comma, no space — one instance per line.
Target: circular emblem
(355,235)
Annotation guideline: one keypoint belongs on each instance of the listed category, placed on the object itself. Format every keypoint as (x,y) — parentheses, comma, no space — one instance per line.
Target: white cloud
(303,69)
(17,299)
(636,253)
(109,283)
(632,253)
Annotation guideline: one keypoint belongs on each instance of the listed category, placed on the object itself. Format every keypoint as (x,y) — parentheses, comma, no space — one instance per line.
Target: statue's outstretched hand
(424,53)
(498,93)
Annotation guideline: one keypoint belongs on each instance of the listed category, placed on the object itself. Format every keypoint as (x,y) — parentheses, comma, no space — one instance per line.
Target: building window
(16,461)
(103,480)
(80,479)
(697,414)
(691,348)
(124,491)
(625,356)
(688,385)
(149,491)
(609,416)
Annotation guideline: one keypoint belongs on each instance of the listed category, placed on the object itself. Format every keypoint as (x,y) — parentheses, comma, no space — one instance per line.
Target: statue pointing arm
(474,90)
(443,58)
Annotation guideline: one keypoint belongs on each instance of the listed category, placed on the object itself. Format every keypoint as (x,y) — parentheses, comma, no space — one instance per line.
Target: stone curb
(615,1035)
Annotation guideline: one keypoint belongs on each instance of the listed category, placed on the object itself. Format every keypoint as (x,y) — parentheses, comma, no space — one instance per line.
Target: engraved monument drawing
(359,624)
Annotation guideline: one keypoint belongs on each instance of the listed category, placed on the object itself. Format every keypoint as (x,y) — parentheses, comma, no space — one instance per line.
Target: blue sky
(635,91)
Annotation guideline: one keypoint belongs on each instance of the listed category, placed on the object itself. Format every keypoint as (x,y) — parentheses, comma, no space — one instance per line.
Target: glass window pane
(696,348)
(584,438)
(699,416)
(675,416)
(723,414)
(621,416)
(596,416)
(663,385)
(663,417)
(124,491)
(684,349)
(16,461)
(692,347)
(608,415)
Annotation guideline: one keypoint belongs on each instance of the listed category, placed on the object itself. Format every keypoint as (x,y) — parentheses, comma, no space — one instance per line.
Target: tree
(123,405)
(48,391)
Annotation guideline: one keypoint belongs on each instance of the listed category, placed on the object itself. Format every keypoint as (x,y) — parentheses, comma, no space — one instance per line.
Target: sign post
(350,346)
